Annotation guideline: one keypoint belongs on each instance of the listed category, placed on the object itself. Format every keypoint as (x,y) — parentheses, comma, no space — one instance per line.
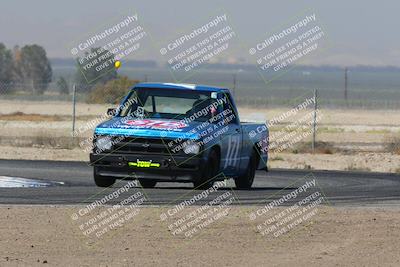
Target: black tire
(147,183)
(102,181)
(210,172)
(246,181)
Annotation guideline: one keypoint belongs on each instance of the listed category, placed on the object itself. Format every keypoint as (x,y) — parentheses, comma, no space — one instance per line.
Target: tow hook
(166,163)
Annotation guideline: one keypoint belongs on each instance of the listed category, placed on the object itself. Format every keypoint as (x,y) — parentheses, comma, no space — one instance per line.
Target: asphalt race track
(71,183)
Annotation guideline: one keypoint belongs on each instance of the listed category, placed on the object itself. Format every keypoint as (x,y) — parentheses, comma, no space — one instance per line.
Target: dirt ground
(332,237)
(46,235)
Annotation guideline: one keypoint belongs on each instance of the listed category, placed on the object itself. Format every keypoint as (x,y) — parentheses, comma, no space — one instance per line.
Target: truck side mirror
(111,111)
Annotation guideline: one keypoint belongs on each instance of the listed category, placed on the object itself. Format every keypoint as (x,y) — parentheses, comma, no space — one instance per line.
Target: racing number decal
(233,150)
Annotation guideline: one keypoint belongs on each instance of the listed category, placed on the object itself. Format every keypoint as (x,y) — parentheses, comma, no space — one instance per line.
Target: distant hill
(70,62)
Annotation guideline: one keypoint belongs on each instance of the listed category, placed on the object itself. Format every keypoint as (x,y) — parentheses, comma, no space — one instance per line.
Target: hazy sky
(360,32)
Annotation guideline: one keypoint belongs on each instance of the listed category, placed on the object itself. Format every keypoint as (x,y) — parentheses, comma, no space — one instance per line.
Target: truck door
(231,137)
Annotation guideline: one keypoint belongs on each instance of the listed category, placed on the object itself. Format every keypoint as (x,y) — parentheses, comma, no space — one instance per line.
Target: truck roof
(183,86)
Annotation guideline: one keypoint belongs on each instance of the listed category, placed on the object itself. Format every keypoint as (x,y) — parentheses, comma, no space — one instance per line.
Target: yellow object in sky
(117,64)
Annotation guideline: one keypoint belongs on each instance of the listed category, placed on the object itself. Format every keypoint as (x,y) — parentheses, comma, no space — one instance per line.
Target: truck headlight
(103,143)
(191,147)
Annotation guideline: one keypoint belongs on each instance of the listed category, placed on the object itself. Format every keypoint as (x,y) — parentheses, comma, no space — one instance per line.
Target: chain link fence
(256,97)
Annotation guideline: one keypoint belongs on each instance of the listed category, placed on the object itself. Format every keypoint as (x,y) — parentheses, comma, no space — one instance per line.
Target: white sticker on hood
(157,124)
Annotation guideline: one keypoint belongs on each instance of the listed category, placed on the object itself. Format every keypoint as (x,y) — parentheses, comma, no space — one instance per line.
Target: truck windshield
(169,104)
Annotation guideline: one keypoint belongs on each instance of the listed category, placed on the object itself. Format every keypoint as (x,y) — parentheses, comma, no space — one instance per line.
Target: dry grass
(353,167)
(54,142)
(320,148)
(20,116)
(42,140)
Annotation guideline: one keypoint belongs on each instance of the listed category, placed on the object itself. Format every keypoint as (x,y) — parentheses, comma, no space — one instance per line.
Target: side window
(229,110)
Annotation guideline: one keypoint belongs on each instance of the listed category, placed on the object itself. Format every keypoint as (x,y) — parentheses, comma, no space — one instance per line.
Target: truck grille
(143,145)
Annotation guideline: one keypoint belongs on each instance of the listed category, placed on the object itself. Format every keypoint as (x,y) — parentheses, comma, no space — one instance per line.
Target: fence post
(73,109)
(315,119)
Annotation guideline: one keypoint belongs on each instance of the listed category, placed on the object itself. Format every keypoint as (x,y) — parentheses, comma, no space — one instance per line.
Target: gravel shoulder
(361,161)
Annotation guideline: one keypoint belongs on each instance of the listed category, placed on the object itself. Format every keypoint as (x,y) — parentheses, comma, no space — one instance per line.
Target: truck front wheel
(246,181)
(102,181)
(209,173)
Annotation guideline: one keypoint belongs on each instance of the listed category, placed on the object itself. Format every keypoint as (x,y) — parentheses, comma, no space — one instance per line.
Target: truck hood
(164,128)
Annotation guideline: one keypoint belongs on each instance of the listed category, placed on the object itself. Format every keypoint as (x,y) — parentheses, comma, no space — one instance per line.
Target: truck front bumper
(167,167)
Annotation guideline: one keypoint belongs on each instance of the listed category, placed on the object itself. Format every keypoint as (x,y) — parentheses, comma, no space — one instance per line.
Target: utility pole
(145,78)
(73,109)
(315,119)
(234,85)
(345,83)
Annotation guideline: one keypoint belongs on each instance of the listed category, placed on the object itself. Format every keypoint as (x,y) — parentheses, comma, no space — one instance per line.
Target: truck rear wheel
(246,181)
(147,183)
(102,181)
(209,173)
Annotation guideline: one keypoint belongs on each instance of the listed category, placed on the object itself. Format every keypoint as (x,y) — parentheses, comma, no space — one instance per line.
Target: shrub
(276,158)
(320,148)
(111,92)
(393,144)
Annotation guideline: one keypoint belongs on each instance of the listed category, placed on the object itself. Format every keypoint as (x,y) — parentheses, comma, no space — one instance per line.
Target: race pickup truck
(164,132)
